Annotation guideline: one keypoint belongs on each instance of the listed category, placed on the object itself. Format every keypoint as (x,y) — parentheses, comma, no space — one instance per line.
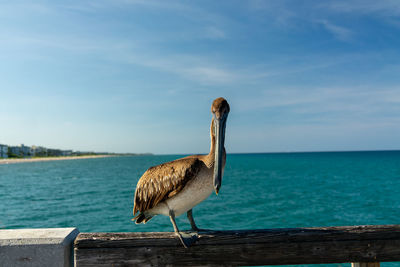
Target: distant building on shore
(66,153)
(23,151)
(26,151)
(54,152)
(15,151)
(39,151)
(3,151)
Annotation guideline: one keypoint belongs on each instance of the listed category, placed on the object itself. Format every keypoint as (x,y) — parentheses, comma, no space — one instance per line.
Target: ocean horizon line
(286,152)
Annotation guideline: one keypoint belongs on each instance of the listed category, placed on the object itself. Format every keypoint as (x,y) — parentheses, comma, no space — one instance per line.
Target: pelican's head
(220,110)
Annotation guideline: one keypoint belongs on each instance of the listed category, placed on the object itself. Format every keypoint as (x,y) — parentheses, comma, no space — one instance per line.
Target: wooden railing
(360,245)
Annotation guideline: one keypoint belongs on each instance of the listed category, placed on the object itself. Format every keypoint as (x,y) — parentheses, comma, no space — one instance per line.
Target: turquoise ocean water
(258,191)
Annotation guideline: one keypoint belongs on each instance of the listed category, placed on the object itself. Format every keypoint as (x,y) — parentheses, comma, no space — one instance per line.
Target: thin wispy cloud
(192,69)
(339,32)
(213,32)
(328,105)
(365,7)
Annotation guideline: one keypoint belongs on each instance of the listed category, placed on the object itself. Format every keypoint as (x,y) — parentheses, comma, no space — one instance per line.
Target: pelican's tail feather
(142,218)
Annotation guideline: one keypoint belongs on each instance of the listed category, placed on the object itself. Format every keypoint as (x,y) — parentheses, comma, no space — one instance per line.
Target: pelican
(175,187)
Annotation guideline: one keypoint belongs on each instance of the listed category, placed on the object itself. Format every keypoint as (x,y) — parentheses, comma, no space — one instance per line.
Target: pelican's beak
(219,130)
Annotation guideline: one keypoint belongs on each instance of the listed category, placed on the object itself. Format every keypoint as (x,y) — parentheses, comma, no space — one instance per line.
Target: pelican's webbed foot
(187,239)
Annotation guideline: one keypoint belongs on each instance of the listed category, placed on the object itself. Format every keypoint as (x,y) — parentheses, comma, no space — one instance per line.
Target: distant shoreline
(24,160)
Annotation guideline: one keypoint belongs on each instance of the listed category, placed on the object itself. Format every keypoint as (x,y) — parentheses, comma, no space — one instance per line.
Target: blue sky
(140,75)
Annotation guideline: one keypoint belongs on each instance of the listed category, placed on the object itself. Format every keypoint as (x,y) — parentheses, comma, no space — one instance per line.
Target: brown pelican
(175,187)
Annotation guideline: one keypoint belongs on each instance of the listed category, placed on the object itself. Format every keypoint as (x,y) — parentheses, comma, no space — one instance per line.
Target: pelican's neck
(210,158)
(212,137)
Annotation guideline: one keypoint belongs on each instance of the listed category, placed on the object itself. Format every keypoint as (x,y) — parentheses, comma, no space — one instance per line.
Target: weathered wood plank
(365,264)
(244,247)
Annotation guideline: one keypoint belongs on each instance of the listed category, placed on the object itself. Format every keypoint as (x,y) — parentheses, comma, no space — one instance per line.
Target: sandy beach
(24,160)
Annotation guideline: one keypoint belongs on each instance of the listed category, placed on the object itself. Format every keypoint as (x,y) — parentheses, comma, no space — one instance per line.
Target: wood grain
(243,247)
(365,264)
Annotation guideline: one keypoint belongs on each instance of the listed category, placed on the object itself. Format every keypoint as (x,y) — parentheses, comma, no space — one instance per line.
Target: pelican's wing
(161,182)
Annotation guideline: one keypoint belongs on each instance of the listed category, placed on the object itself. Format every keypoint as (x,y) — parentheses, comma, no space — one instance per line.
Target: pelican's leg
(191,220)
(192,223)
(186,240)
